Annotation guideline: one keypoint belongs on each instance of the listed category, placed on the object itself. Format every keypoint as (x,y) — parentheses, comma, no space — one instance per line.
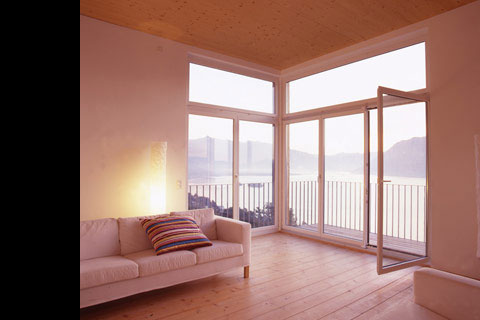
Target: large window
(402,69)
(210,159)
(357,171)
(222,88)
(343,176)
(256,179)
(231,152)
(302,144)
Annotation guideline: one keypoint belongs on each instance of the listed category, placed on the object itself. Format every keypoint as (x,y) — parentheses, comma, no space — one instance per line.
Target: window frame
(325,63)
(237,69)
(346,57)
(237,115)
(421,97)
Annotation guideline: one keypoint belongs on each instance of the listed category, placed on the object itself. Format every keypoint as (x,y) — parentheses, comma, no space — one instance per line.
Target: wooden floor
(290,278)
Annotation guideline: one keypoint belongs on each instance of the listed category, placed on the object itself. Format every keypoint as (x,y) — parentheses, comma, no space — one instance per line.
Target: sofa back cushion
(132,236)
(205,218)
(99,238)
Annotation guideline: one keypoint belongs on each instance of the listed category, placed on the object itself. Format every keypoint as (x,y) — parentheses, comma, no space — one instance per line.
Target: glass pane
(210,166)
(403,69)
(256,168)
(218,87)
(343,182)
(303,175)
(404,161)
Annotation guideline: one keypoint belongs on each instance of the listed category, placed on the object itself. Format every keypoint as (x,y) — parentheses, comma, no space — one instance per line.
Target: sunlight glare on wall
(158,176)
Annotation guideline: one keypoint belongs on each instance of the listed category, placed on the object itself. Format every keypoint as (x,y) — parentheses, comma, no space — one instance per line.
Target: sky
(218,87)
(402,69)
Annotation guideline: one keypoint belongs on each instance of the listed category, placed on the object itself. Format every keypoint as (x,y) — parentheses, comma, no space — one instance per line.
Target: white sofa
(117,258)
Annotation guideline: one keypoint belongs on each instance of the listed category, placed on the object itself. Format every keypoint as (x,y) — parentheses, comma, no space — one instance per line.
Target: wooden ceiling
(274,33)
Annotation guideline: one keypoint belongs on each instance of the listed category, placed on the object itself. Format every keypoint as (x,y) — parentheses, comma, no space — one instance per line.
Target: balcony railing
(404,212)
(255,201)
(404,208)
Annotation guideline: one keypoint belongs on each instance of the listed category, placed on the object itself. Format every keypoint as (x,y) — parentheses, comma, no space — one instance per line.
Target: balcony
(404,207)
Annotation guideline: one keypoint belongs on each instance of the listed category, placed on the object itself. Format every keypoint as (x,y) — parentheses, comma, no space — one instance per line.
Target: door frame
(421,97)
(318,114)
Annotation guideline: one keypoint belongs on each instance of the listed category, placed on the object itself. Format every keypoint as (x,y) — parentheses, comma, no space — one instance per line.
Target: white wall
(455,118)
(133,90)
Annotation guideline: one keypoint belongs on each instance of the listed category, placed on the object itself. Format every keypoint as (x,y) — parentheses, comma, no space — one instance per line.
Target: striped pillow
(174,233)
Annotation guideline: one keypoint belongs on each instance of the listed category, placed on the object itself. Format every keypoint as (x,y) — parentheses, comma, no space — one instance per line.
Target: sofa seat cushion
(219,250)
(149,263)
(98,271)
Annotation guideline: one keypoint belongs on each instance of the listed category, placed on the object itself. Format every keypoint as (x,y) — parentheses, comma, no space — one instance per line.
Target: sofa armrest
(235,231)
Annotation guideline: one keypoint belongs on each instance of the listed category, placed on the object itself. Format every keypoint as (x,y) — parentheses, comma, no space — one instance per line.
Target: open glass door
(399,197)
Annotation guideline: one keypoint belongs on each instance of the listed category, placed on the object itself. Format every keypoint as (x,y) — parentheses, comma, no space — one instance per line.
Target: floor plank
(400,306)
(290,277)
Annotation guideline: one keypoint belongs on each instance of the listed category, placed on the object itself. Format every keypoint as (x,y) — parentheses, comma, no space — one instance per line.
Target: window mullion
(236,151)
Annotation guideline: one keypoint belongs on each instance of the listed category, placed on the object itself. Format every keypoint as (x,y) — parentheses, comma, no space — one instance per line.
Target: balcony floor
(290,277)
(410,246)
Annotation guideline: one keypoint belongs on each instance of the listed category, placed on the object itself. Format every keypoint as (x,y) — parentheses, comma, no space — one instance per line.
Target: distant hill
(215,156)
(406,158)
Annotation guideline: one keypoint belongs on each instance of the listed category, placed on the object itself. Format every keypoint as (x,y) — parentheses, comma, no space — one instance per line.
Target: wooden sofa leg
(246,272)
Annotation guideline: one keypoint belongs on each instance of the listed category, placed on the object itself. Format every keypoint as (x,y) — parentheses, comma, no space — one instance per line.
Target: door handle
(383,181)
